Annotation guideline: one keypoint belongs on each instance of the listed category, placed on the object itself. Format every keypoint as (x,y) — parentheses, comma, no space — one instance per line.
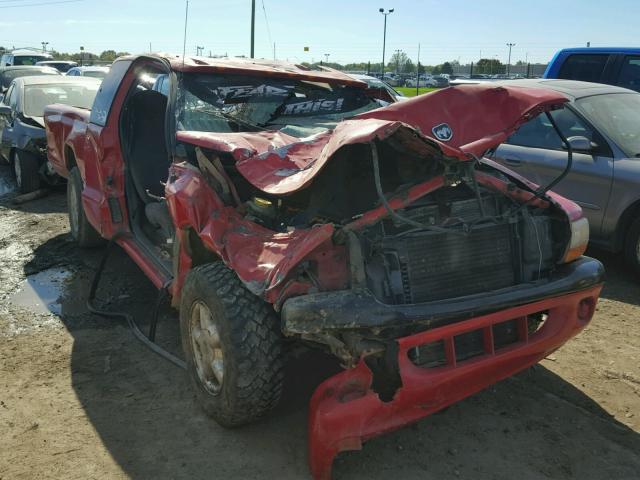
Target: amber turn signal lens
(579,240)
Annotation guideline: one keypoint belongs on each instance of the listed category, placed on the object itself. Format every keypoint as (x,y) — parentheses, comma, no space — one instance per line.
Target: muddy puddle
(41,293)
(46,292)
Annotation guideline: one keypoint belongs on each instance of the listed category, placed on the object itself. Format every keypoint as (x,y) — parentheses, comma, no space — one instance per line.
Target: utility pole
(418,72)
(326,57)
(274,50)
(398,61)
(510,45)
(150,49)
(44,46)
(253,27)
(81,56)
(384,36)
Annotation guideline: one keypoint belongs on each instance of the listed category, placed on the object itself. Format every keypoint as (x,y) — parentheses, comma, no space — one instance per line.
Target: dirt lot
(81,398)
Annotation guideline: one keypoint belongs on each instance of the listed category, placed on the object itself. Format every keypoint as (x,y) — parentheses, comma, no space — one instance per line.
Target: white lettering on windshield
(313,106)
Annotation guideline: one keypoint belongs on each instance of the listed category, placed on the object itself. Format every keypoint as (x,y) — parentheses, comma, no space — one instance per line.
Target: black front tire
(81,230)
(250,345)
(26,168)
(632,246)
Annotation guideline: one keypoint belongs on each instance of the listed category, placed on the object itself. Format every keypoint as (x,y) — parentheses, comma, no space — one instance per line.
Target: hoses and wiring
(147,341)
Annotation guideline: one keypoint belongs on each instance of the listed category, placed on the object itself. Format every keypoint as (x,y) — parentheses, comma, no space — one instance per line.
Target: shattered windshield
(232,103)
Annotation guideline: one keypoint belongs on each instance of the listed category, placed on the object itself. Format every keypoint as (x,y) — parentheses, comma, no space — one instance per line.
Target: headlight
(579,240)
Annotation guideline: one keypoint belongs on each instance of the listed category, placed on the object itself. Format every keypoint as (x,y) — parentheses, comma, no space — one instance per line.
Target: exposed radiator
(437,265)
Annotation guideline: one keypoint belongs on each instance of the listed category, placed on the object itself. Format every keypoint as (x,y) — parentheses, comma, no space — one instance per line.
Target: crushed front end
(454,283)
(430,273)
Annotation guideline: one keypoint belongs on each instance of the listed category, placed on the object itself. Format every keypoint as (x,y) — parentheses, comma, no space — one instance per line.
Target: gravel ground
(81,398)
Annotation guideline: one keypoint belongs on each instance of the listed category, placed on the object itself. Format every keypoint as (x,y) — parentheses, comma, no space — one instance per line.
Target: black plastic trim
(359,309)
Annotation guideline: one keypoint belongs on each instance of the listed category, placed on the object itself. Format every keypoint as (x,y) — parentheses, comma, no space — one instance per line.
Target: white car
(23,57)
(95,72)
(425,81)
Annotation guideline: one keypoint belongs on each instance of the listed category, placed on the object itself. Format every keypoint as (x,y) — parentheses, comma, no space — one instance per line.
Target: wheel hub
(207,348)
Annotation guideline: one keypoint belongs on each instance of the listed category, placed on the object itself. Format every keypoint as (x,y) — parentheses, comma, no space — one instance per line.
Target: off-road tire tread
(253,344)
(631,240)
(87,235)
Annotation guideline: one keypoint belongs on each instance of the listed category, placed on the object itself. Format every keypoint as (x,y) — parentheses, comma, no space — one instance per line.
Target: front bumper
(359,309)
(345,411)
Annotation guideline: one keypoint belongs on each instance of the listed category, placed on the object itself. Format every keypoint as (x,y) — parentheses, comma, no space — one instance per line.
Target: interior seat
(149,160)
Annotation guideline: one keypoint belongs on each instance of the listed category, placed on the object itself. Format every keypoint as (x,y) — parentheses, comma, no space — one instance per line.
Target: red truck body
(456,124)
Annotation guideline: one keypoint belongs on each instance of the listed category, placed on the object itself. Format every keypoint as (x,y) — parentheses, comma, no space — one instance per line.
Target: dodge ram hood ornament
(442,132)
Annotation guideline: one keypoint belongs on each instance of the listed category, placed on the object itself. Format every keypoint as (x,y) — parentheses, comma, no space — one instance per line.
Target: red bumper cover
(345,412)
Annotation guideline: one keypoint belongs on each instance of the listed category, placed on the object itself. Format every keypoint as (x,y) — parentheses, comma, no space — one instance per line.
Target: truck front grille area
(483,341)
(457,254)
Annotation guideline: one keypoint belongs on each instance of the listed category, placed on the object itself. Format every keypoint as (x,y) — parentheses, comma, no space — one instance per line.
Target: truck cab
(612,66)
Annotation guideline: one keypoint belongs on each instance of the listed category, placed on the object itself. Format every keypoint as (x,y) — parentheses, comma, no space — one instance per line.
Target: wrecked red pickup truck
(278,202)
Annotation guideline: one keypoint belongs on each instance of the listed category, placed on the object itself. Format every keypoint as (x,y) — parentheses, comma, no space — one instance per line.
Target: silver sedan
(602,123)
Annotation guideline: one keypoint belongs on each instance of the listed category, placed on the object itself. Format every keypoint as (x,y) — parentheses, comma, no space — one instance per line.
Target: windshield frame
(603,129)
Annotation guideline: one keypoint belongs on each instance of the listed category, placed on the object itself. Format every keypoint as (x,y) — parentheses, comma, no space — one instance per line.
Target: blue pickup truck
(613,66)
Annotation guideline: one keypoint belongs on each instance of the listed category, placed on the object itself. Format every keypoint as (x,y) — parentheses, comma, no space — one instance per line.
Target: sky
(347,30)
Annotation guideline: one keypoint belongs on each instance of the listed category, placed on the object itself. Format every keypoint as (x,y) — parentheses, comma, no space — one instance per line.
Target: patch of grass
(411,91)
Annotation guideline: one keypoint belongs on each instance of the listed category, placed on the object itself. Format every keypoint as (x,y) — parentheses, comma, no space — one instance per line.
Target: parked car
(393,79)
(602,124)
(60,65)
(422,81)
(275,201)
(23,57)
(9,74)
(24,143)
(376,83)
(95,72)
(440,81)
(613,66)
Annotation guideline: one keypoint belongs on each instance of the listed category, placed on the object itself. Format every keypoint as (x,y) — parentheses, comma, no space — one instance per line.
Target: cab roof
(252,66)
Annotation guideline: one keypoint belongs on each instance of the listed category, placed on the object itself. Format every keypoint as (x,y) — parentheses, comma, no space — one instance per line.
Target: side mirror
(5,110)
(581,144)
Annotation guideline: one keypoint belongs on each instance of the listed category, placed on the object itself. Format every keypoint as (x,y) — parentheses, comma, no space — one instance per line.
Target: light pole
(253,26)
(326,57)
(384,36)
(199,51)
(510,45)
(44,46)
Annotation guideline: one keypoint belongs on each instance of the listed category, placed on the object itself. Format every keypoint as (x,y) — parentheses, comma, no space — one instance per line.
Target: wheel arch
(69,157)
(189,252)
(622,227)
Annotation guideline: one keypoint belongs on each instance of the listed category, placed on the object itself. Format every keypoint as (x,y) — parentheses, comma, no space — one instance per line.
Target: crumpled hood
(456,122)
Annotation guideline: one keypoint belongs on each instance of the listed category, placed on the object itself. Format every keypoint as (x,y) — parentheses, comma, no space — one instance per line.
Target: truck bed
(65,127)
